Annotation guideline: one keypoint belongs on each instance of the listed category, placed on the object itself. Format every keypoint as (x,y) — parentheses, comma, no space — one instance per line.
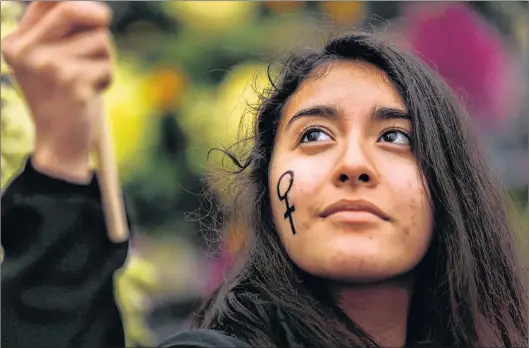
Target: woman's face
(347,196)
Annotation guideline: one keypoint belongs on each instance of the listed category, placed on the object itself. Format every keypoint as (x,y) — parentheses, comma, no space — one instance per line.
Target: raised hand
(61,55)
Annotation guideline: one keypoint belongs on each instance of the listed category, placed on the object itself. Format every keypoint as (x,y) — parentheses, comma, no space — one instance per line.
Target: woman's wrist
(73,169)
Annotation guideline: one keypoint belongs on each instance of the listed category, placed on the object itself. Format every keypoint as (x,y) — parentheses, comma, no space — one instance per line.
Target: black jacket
(58,267)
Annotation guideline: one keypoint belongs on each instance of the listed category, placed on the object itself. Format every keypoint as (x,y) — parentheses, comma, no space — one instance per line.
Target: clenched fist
(61,55)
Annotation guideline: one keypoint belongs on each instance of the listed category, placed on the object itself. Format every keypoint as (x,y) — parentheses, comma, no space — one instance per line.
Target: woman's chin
(359,266)
(366,276)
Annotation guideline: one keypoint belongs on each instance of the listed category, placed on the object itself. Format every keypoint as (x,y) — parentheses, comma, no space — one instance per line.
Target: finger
(34,12)
(99,74)
(90,43)
(57,22)
(96,75)
(66,17)
(83,78)
(56,59)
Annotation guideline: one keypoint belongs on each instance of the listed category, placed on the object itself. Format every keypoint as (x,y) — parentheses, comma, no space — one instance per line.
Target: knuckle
(106,12)
(12,50)
(102,41)
(97,11)
(101,36)
(108,41)
(7,43)
(108,81)
(80,93)
(42,65)
(108,76)
(65,77)
(8,52)
(68,8)
(104,69)
(109,68)
(104,76)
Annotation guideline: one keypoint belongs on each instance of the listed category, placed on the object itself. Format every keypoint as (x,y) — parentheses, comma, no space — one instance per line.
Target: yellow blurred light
(10,11)
(212,15)
(17,134)
(344,11)
(134,283)
(237,99)
(129,110)
(238,95)
(8,26)
(9,15)
(212,118)
(164,87)
(282,7)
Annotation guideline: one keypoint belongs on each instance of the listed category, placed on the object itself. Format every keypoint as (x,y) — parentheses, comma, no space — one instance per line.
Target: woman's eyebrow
(331,112)
(326,111)
(386,113)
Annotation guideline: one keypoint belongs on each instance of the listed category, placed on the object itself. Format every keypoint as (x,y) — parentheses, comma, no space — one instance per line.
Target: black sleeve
(58,267)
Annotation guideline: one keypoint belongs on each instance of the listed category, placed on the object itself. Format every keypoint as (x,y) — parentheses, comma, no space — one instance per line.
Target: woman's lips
(354,210)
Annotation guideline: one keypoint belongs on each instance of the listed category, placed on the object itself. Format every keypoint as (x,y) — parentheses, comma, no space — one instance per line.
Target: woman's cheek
(295,188)
(410,202)
(309,178)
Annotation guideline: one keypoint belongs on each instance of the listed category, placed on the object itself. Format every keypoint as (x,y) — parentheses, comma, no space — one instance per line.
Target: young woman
(371,215)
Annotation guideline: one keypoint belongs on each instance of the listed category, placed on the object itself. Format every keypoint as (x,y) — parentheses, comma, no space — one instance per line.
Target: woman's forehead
(347,85)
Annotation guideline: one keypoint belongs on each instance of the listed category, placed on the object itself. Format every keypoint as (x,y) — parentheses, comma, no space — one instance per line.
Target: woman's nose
(356,167)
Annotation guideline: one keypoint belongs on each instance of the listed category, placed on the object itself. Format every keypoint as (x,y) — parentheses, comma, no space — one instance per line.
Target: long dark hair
(471,288)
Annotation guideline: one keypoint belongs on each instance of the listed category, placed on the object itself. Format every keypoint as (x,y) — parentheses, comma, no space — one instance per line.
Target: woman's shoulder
(202,339)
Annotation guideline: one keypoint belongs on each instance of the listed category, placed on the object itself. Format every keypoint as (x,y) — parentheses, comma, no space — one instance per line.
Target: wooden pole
(111,194)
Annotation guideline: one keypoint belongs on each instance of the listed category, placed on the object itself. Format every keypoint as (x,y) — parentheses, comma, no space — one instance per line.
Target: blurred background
(185,74)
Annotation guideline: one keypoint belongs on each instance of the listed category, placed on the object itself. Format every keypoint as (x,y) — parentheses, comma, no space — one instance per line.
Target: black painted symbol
(284,197)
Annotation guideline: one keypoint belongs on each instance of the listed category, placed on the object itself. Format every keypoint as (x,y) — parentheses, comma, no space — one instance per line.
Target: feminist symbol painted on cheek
(284,197)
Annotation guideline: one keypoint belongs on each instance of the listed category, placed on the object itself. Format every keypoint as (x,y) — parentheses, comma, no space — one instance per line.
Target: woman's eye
(395,137)
(314,135)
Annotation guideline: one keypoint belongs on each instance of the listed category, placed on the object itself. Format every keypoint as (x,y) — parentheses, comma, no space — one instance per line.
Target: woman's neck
(380,309)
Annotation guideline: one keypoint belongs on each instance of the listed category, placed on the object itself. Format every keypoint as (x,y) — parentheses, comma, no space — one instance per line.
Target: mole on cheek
(413,216)
(361,264)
